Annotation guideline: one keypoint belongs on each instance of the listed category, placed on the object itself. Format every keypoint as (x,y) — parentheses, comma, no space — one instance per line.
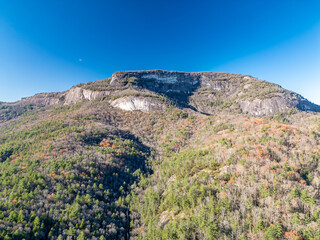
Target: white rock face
(77,94)
(138,103)
(165,79)
(113,79)
(90,95)
(259,107)
(74,95)
(247,86)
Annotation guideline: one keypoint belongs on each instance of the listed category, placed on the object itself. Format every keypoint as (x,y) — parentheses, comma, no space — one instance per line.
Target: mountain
(161,155)
(205,92)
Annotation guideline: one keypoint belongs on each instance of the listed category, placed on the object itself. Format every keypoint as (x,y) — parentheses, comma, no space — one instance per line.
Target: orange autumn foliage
(54,175)
(303,182)
(105,142)
(231,180)
(293,235)
(64,173)
(273,171)
(223,194)
(50,197)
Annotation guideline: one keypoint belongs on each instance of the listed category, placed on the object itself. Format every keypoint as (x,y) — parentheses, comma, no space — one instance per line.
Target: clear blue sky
(52,45)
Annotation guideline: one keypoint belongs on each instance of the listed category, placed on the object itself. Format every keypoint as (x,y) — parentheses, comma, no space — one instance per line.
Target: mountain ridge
(206,92)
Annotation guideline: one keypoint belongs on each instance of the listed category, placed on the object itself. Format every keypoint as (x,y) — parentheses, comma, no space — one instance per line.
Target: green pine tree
(20,216)
(81,236)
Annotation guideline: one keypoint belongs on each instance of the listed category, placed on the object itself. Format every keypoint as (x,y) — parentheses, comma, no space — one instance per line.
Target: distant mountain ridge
(206,92)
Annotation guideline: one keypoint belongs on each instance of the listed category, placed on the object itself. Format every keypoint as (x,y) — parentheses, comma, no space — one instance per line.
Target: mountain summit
(205,92)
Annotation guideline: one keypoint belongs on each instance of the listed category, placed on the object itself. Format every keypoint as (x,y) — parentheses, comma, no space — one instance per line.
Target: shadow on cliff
(179,94)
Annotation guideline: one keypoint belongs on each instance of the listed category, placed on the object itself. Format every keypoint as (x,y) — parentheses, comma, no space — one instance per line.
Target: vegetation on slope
(89,171)
(67,179)
(235,178)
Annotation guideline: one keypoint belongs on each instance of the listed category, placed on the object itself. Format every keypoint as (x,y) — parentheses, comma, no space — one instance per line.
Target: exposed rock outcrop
(77,94)
(206,92)
(209,92)
(138,103)
(41,99)
(259,107)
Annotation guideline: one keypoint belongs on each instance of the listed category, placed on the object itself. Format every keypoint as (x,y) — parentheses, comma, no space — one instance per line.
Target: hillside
(161,155)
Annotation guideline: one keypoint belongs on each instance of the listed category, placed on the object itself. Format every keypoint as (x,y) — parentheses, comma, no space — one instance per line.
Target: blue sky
(48,46)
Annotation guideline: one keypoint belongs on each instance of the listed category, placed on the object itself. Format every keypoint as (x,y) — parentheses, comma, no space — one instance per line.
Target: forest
(91,171)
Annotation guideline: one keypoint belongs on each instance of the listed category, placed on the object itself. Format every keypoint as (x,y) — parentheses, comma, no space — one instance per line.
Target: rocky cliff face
(77,94)
(209,92)
(138,103)
(206,92)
